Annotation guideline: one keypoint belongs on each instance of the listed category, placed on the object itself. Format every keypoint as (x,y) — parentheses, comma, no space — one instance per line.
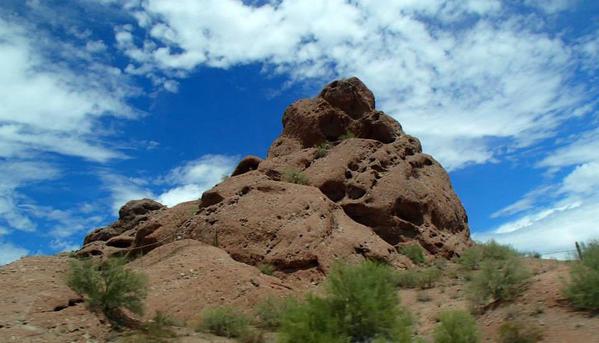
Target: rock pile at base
(342,181)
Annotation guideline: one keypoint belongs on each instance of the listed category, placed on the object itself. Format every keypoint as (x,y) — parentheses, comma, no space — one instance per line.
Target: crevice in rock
(409,211)
(334,190)
(354,192)
(120,242)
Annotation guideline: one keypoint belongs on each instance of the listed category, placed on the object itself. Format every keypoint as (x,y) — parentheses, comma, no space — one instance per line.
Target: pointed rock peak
(349,95)
(343,109)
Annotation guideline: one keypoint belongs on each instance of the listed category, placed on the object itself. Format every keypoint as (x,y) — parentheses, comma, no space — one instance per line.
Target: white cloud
(195,177)
(16,174)
(10,252)
(495,79)
(183,183)
(572,211)
(46,106)
(552,6)
(123,189)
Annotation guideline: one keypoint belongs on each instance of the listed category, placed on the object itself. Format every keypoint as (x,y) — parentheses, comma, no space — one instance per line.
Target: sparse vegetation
(360,305)
(108,286)
(158,330)
(418,278)
(270,312)
(295,176)
(414,252)
(347,135)
(517,331)
(497,280)
(266,268)
(225,322)
(472,258)
(456,327)
(322,149)
(583,288)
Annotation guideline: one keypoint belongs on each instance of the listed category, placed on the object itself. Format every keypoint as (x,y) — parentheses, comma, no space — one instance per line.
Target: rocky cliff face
(342,181)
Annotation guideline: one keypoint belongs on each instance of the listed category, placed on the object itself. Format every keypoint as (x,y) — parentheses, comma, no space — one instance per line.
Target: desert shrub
(583,288)
(270,312)
(494,251)
(224,321)
(516,331)
(414,252)
(347,135)
(108,286)
(266,268)
(497,280)
(456,327)
(155,331)
(295,176)
(418,278)
(360,305)
(322,149)
(472,257)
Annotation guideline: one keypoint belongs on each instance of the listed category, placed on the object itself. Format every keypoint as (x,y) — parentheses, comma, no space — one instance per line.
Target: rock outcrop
(342,181)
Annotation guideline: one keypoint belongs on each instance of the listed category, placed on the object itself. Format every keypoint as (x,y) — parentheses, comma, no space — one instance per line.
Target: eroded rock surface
(364,187)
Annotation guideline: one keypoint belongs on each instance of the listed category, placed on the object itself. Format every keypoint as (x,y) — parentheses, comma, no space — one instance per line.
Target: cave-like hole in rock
(332,125)
(374,219)
(409,211)
(354,192)
(120,242)
(334,190)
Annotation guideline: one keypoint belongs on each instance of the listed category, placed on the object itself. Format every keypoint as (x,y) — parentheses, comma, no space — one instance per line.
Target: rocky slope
(342,181)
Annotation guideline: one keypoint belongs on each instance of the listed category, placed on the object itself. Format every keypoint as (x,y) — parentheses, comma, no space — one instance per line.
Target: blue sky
(107,101)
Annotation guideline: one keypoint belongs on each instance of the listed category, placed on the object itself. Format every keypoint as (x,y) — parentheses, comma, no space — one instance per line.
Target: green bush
(456,327)
(322,149)
(347,135)
(108,286)
(295,176)
(224,321)
(414,252)
(270,312)
(418,278)
(519,332)
(498,280)
(472,257)
(266,268)
(360,305)
(583,288)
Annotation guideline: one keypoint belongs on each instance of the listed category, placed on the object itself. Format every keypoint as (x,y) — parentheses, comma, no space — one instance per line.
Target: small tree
(456,327)
(361,305)
(498,280)
(108,286)
(583,288)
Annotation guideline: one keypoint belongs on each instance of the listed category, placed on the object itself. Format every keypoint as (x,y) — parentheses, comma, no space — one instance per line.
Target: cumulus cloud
(183,183)
(470,78)
(193,178)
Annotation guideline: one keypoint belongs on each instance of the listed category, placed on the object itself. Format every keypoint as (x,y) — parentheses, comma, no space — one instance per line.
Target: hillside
(343,182)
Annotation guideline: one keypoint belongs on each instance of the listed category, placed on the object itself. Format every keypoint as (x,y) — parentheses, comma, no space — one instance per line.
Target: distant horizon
(108,101)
